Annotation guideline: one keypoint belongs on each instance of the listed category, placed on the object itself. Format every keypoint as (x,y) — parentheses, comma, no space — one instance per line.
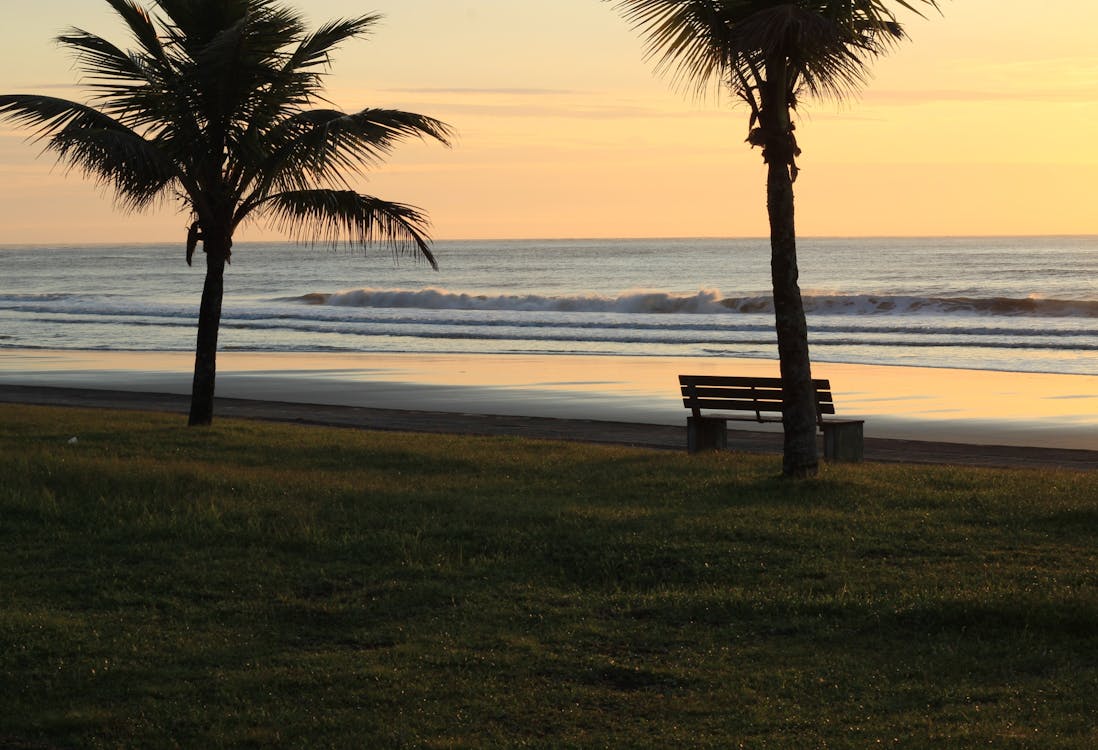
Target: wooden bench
(759,400)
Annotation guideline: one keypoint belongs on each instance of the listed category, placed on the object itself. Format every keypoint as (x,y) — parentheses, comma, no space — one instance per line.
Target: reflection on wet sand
(972,406)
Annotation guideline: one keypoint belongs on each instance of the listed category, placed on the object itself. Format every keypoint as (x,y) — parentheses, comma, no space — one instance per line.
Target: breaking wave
(706,301)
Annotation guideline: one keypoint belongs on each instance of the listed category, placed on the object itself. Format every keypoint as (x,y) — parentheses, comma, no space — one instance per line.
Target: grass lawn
(263,585)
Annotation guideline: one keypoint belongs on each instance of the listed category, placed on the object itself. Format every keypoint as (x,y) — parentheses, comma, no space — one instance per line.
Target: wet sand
(913,414)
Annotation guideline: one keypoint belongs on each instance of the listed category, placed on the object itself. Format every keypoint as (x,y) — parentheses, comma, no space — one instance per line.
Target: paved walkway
(594,431)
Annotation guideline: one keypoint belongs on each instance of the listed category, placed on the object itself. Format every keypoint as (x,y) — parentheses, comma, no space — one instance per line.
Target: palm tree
(219,108)
(768,53)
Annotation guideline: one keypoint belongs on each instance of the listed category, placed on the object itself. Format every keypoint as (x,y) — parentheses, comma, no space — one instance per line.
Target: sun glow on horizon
(979,125)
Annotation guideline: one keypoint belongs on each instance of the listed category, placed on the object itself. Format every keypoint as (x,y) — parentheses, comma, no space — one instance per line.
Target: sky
(984,123)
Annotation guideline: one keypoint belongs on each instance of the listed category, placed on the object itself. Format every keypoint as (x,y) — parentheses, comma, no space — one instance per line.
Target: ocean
(1023,304)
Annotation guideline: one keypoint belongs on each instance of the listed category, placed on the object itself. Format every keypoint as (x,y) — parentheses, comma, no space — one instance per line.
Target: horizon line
(576,238)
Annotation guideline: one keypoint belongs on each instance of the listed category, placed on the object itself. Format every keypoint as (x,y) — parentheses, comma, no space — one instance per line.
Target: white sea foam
(705,301)
(638,301)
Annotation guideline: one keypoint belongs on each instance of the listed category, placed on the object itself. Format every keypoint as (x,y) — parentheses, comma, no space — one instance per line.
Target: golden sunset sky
(985,123)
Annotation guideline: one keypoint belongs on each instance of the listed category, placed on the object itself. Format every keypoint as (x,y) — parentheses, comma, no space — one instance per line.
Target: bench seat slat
(731,380)
(740,380)
(761,394)
(726,405)
(745,405)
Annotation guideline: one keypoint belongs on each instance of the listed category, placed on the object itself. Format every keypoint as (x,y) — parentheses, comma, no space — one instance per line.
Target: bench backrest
(759,395)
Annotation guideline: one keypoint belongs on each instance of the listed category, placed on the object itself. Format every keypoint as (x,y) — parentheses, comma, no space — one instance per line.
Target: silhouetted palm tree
(219,108)
(768,53)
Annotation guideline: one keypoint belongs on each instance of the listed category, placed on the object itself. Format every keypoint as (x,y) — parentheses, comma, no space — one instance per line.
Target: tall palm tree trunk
(209,323)
(800,457)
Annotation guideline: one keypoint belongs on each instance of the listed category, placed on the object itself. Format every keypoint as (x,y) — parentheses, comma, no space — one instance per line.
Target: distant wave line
(528,328)
(705,301)
(618,337)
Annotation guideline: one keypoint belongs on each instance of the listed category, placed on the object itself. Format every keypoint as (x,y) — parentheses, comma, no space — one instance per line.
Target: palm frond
(315,48)
(100,59)
(48,115)
(344,215)
(824,44)
(141,26)
(88,140)
(143,90)
(334,146)
(688,39)
(292,89)
(194,24)
(824,55)
(130,165)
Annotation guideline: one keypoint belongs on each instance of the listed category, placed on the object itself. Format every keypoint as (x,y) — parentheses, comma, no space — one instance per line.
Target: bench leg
(844,441)
(706,434)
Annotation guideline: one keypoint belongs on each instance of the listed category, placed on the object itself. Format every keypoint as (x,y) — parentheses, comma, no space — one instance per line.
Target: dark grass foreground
(258,585)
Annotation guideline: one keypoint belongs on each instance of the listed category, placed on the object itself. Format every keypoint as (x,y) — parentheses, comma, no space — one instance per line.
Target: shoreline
(975,407)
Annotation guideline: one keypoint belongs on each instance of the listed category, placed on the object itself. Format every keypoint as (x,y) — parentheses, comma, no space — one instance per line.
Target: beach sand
(926,405)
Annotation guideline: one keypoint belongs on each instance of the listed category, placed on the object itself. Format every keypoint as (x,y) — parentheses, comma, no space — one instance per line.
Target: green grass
(259,585)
